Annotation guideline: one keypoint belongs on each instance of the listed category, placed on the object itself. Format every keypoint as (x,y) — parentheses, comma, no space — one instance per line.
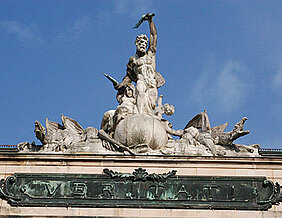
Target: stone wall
(271,167)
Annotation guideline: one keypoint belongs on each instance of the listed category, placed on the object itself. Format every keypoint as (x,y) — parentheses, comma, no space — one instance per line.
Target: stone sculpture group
(137,125)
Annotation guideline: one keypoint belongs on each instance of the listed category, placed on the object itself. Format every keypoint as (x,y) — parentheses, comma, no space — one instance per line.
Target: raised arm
(153,35)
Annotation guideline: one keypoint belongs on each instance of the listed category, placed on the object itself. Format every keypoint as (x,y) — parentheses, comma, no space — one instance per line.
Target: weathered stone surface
(141,130)
(137,125)
(183,147)
(86,163)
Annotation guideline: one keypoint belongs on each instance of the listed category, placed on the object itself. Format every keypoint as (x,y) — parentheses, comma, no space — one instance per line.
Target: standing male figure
(141,69)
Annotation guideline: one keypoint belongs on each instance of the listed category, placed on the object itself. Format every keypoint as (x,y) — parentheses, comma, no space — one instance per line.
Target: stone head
(130,90)
(38,126)
(168,109)
(141,43)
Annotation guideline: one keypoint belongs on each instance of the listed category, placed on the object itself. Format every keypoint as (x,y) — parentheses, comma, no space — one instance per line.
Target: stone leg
(206,139)
(141,96)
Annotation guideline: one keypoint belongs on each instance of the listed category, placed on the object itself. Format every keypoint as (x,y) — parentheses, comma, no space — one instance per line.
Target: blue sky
(223,56)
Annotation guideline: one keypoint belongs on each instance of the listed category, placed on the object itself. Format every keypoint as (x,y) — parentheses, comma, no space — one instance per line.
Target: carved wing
(200,121)
(196,122)
(52,127)
(72,125)
(217,130)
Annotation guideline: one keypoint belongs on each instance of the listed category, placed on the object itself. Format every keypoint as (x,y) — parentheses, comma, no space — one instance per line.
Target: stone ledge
(83,163)
(142,158)
(132,212)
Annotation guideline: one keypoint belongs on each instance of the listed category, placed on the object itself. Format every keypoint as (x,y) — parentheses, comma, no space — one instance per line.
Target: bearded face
(141,43)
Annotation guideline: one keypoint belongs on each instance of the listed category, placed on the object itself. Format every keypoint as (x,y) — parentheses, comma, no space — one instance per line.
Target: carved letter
(182,194)
(129,192)
(232,193)
(108,191)
(52,188)
(210,192)
(80,189)
(156,192)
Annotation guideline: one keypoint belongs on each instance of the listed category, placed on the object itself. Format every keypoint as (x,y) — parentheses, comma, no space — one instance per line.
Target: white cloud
(133,7)
(224,88)
(80,26)
(77,30)
(21,31)
(122,6)
(278,77)
(229,87)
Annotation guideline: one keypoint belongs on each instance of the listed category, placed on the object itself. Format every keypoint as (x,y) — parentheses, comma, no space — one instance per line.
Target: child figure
(167,109)
(163,109)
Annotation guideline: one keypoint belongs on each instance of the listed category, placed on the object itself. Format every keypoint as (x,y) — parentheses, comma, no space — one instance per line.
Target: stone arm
(153,36)
(171,131)
(130,75)
(125,81)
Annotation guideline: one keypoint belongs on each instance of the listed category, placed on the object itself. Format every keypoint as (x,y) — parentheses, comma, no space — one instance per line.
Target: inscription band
(140,189)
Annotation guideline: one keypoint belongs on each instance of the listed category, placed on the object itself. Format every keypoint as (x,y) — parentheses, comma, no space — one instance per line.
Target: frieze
(140,189)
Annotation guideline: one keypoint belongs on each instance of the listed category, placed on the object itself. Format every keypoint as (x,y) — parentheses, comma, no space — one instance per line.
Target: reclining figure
(199,128)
